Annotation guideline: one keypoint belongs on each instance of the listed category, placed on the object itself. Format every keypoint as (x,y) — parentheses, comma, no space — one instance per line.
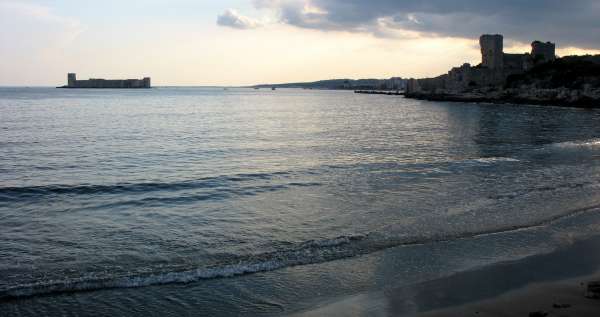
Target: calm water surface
(164,201)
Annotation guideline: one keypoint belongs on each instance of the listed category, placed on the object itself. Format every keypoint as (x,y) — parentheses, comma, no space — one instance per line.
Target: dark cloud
(568,22)
(230,18)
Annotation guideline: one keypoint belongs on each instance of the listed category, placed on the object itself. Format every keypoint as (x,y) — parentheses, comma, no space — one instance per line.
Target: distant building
(493,71)
(72,82)
(394,83)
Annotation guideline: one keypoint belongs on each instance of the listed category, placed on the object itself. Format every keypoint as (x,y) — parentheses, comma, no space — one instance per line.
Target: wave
(582,147)
(314,251)
(227,184)
(491,160)
(120,188)
(309,252)
(585,144)
(542,189)
(214,195)
(443,165)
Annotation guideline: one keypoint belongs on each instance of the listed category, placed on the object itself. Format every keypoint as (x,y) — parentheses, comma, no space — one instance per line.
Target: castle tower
(543,52)
(71,79)
(492,51)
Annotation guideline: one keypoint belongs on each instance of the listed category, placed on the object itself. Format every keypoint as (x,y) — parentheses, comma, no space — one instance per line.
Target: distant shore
(554,284)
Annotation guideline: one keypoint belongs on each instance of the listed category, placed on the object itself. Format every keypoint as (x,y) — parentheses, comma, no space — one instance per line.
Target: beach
(559,298)
(554,284)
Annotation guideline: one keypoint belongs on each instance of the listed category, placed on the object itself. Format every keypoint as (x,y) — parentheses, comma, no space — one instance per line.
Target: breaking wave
(590,146)
(492,160)
(309,252)
(586,144)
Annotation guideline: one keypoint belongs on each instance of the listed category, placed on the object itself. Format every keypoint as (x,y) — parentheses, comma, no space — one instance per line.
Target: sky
(244,42)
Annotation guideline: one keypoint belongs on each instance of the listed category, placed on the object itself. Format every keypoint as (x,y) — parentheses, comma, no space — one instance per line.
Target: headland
(369,84)
(538,77)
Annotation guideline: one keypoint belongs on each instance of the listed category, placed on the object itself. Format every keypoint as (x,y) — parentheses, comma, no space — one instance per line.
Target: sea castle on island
(72,82)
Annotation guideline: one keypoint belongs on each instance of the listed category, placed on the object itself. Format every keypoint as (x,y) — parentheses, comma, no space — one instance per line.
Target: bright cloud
(231,18)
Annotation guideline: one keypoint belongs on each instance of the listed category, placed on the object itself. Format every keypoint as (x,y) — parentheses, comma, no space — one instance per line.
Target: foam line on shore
(309,252)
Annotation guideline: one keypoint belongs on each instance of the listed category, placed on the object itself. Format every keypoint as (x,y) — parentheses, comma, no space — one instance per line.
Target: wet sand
(561,298)
(554,284)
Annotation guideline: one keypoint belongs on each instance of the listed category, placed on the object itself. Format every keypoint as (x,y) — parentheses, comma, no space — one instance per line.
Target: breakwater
(380,92)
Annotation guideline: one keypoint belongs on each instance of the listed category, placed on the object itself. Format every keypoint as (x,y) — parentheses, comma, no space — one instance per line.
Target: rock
(538,314)
(593,290)
(561,306)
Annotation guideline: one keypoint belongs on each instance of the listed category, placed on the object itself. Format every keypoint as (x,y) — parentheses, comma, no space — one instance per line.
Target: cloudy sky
(238,42)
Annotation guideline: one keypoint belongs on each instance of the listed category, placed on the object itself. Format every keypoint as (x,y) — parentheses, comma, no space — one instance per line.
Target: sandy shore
(552,284)
(560,298)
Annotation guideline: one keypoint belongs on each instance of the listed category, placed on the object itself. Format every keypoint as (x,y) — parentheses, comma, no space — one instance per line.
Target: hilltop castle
(493,71)
(72,82)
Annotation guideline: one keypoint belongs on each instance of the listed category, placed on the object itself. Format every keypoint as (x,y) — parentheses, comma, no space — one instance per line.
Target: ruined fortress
(72,82)
(493,71)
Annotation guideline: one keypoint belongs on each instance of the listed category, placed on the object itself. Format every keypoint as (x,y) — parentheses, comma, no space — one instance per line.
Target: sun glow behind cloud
(271,54)
(188,53)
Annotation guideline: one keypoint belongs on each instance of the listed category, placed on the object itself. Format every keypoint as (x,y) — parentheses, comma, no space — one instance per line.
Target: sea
(210,202)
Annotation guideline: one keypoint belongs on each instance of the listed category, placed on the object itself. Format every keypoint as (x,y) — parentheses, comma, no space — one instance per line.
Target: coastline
(505,99)
(554,283)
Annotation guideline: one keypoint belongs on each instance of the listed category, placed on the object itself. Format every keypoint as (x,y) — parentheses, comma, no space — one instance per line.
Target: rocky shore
(585,98)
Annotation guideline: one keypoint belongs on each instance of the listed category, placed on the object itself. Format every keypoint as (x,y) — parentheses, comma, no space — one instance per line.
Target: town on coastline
(72,82)
(368,84)
(538,77)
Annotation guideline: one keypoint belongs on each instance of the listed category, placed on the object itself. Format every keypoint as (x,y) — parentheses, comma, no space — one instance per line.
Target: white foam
(586,144)
(91,283)
(314,251)
(310,252)
(491,160)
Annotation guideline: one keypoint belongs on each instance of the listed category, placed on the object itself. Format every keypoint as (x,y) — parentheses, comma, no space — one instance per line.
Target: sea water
(204,201)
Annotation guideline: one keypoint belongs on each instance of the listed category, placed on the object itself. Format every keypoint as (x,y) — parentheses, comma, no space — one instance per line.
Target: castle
(493,71)
(72,82)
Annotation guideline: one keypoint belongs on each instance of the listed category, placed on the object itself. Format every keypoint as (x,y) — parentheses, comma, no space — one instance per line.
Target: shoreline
(502,99)
(554,283)
(558,298)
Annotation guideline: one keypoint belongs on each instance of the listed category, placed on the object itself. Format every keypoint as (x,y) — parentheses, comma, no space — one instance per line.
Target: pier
(380,92)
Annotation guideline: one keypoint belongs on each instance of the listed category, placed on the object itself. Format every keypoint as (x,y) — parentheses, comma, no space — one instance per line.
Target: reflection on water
(119,189)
